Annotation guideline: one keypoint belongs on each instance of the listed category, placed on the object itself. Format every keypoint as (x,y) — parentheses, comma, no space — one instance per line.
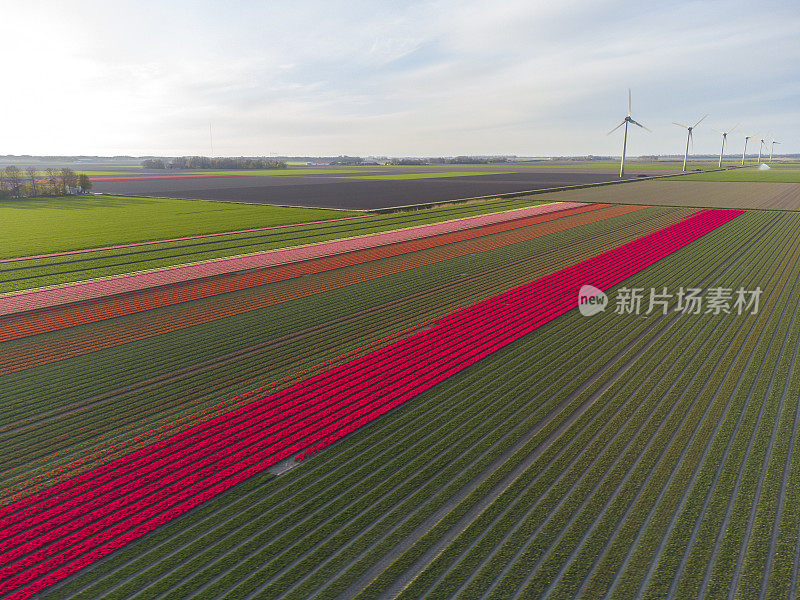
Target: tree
(13,177)
(154,163)
(53,183)
(84,182)
(68,179)
(32,181)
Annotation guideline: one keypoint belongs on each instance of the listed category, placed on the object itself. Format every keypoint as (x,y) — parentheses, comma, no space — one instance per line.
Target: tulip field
(406,405)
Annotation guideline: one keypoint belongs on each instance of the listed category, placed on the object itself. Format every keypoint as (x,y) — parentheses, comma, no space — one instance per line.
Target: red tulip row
(49,533)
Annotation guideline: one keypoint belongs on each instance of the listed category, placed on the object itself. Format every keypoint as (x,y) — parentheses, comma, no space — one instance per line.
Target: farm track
(49,438)
(637,255)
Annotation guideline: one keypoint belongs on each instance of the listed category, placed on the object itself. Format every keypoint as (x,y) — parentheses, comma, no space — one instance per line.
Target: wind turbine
(746,138)
(772,149)
(724,139)
(625,122)
(760,145)
(688,138)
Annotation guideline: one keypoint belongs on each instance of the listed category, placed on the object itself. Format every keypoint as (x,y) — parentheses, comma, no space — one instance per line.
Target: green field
(34,226)
(398,176)
(777,175)
(176,172)
(31,235)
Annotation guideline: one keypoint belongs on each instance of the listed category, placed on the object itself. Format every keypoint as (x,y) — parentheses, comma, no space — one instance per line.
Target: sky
(367,78)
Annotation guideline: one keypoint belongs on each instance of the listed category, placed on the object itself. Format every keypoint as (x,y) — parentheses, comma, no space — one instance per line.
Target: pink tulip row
(30,300)
(129,497)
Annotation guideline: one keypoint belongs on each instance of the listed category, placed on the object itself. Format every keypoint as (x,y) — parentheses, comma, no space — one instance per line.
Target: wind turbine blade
(732,128)
(629,102)
(640,125)
(617,127)
(700,121)
(680,125)
(716,131)
(691,139)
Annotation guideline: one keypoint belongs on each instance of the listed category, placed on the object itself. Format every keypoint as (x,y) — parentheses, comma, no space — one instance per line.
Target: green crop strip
(42,272)
(402,176)
(785,175)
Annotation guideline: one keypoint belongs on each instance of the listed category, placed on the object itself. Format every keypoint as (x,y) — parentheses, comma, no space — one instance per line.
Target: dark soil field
(333,191)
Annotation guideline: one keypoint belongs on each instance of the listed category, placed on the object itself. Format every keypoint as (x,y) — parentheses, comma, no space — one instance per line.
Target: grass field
(35,226)
(777,175)
(401,176)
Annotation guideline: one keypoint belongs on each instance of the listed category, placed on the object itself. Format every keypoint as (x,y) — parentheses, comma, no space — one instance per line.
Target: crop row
(115,307)
(117,415)
(300,287)
(59,270)
(347,470)
(390,374)
(579,444)
(140,280)
(105,367)
(69,316)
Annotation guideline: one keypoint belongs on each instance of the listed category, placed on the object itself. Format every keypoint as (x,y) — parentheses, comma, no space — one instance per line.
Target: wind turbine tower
(724,139)
(625,122)
(747,137)
(761,144)
(771,150)
(688,138)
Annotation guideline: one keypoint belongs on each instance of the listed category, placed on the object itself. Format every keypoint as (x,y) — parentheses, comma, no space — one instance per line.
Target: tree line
(456,160)
(203,162)
(31,183)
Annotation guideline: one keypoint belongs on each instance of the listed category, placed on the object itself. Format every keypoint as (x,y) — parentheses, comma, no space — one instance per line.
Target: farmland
(686,193)
(407,405)
(778,174)
(366,188)
(88,222)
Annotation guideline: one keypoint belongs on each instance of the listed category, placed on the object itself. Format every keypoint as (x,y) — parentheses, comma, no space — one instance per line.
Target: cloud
(410,78)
